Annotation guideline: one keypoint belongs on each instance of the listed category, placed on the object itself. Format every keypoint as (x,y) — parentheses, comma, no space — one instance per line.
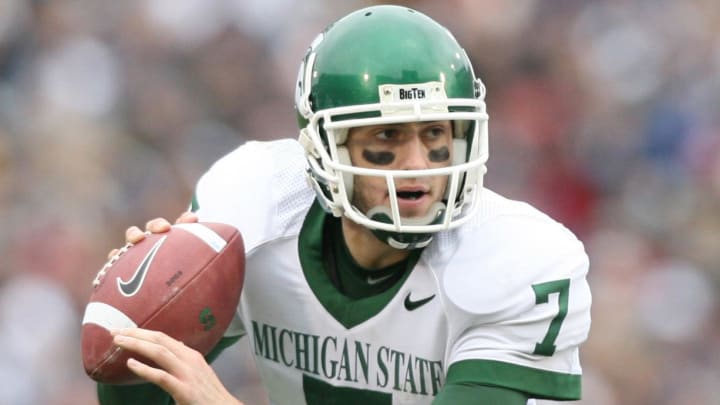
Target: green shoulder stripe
(541,384)
(194,206)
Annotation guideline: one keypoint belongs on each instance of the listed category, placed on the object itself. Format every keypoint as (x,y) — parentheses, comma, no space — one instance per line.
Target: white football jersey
(503,298)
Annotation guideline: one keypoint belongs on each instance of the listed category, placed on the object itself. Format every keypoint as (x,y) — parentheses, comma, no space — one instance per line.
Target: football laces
(101,273)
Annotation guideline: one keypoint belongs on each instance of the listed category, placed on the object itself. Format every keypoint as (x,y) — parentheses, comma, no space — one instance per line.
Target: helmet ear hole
(344,158)
(460,128)
(459,151)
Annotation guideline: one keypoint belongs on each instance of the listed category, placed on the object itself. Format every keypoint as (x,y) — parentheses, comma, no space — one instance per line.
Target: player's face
(408,146)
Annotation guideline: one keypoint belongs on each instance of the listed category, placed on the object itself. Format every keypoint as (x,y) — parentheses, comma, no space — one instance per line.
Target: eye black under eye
(439,155)
(379,158)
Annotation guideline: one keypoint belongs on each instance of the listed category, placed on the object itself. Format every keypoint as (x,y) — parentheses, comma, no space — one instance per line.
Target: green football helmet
(386,65)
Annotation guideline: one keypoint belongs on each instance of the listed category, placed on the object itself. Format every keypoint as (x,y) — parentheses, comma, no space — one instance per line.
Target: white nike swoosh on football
(132,286)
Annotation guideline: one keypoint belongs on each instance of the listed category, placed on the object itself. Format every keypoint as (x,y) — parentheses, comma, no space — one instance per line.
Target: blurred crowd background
(605,114)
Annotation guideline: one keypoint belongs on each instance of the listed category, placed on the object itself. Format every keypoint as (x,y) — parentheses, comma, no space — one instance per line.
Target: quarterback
(379,270)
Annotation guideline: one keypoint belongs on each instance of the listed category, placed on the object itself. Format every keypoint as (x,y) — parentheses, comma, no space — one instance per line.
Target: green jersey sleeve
(459,393)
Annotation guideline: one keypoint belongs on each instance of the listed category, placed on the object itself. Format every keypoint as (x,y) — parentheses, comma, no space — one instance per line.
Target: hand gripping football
(185,282)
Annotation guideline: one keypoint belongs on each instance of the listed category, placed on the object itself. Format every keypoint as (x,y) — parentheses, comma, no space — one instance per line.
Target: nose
(414,154)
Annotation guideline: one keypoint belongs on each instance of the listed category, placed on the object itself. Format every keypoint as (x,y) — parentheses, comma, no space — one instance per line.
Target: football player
(379,270)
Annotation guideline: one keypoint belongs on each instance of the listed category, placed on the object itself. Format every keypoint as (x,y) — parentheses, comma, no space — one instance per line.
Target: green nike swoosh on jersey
(411,305)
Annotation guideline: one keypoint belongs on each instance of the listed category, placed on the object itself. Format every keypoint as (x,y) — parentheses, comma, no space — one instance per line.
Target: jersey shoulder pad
(260,188)
(512,247)
(517,300)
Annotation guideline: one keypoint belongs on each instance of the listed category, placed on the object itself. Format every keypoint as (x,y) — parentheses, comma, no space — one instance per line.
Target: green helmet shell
(384,45)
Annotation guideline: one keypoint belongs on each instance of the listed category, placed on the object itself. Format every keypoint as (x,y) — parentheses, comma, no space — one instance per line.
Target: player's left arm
(518,322)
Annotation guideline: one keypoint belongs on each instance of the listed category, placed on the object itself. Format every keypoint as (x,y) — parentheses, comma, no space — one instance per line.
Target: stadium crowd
(602,113)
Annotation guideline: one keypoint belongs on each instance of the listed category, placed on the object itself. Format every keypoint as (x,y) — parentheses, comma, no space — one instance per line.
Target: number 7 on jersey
(542,293)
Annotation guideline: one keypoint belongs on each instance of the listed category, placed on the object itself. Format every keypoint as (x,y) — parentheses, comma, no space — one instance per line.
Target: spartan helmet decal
(382,65)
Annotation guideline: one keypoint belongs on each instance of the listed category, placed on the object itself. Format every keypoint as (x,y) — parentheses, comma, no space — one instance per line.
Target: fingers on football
(160,349)
(157,225)
(155,343)
(162,378)
(134,235)
(187,217)
(113,253)
(172,357)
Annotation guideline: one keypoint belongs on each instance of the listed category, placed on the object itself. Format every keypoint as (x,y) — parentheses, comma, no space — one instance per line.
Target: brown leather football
(185,282)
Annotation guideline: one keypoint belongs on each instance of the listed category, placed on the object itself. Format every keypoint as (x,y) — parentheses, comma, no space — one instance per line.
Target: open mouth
(410,195)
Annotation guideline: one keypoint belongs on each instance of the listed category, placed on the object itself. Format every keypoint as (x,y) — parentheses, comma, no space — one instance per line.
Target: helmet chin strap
(406,240)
